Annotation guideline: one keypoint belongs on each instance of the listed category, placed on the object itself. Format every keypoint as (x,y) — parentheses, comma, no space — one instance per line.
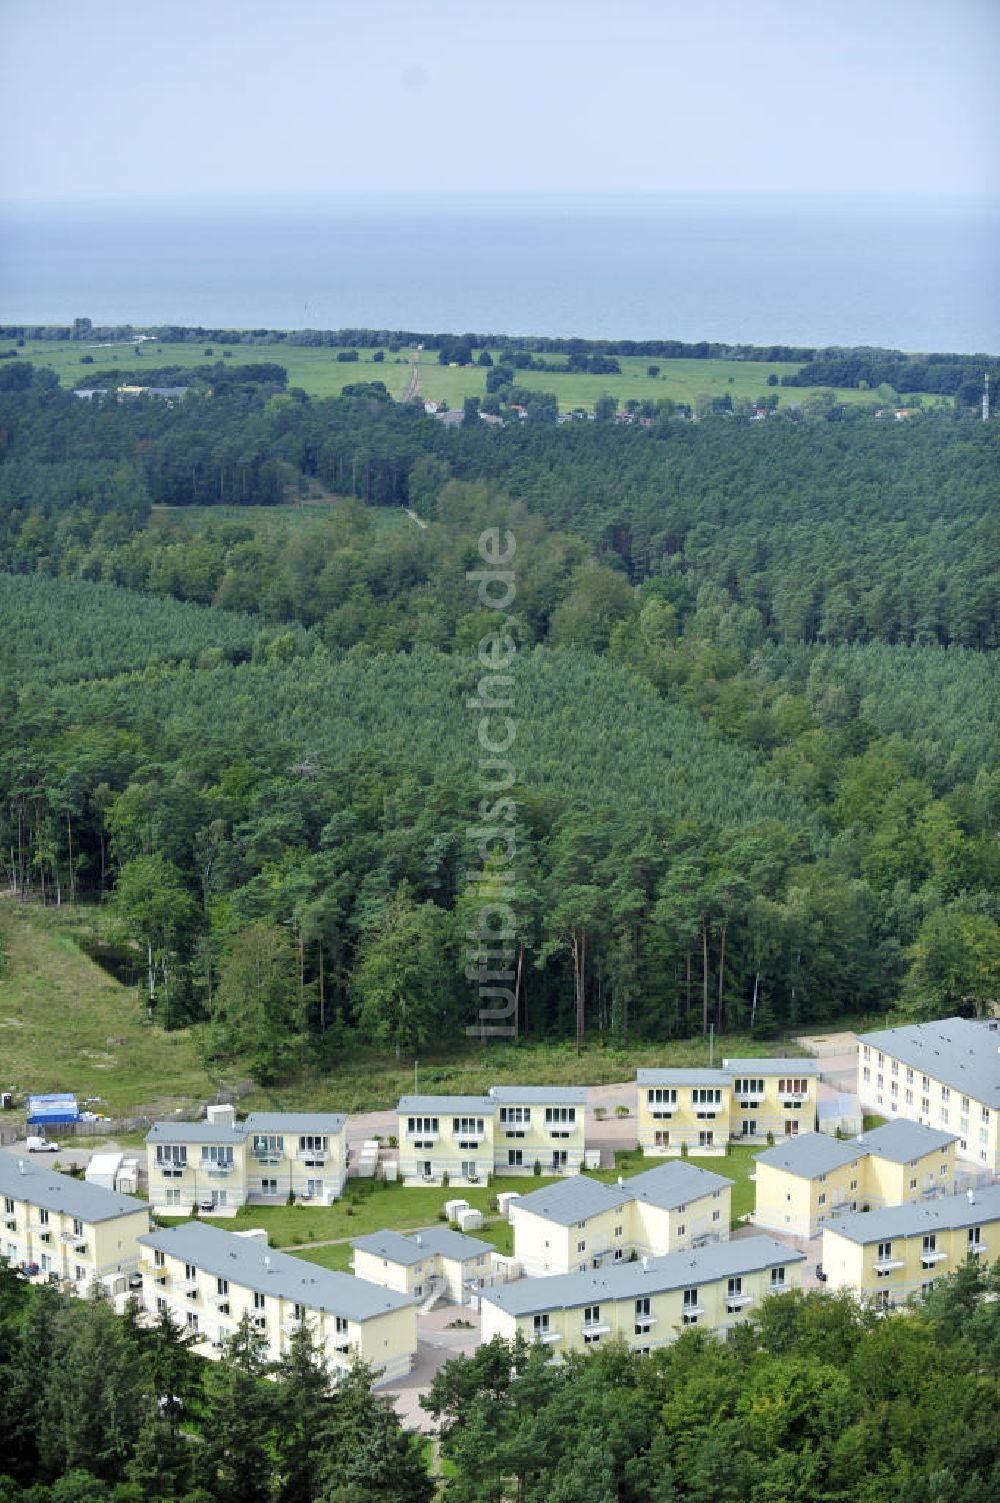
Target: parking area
(438,1340)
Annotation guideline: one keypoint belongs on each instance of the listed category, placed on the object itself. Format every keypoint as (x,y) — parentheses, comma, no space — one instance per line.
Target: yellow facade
(684,1109)
(698,1111)
(945,1075)
(67,1230)
(584,1224)
(446,1135)
(806,1183)
(194,1284)
(434,1264)
(644,1306)
(539,1125)
(220,1164)
(893,1255)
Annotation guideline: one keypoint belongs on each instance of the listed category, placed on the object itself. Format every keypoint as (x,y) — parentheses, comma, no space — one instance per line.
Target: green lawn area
(370,1207)
(319,372)
(65,1024)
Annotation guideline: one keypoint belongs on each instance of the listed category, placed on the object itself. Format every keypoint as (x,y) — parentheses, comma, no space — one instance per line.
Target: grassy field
(269,521)
(65,1024)
(319,372)
(371,1206)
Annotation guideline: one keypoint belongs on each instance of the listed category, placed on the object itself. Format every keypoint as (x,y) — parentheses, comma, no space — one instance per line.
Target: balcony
(886,1265)
(216,1171)
(547,1335)
(220,1301)
(737,1302)
(596,1328)
(645,1321)
(10,1224)
(151,1270)
(422,1137)
(975,1248)
(312,1160)
(690,1312)
(269,1160)
(929,1258)
(171,1171)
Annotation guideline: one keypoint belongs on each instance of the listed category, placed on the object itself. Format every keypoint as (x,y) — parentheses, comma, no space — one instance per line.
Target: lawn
(371,1206)
(65,1024)
(319,372)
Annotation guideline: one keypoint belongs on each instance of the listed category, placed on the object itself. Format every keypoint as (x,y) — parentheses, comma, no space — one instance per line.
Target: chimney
(419,1240)
(621,1182)
(645,1265)
(971,1197)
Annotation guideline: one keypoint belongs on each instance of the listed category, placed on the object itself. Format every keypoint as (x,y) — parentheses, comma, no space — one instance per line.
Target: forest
(755,783)
(813,1400)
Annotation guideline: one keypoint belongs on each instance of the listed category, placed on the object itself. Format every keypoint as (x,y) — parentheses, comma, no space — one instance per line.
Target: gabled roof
(23,1179)
(677,1270)
(903,1141)
(315,1123)
(812,1154)
(772,1065)
(705,1077)
(960,1053)
(249,1264)
(949,1213)
(479,1106)
(514,1095)
(571,1200)
(196,1132)
(435,1241)
(674,1184)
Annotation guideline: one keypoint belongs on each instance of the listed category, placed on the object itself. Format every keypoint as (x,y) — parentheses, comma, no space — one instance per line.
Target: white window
(706,1139)
(8,1206)
(258,1300)
(541,1325)
(217,1156)
(581,1247)
(269,1187)
(159,1259)
(341,1325)
(222,1287)
(171,1156)
(925,1104)
(662,1096)
(419,1125)
(777,1278)
(468,1126)
(190,1271)
(268,1145)
(591,1315)
(748,1086)
(794,1085)
(706,1096)
(515,1116)
(690,1307)
(945,1093)
(515,1157)
(565,1115)
(975,1235)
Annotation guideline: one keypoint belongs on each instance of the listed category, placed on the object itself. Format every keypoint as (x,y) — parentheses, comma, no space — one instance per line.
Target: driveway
(436,1345)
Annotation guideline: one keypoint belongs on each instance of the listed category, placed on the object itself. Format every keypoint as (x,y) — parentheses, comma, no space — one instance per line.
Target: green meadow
(321,374)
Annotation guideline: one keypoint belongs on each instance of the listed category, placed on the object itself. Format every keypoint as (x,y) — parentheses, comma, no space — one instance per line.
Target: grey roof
(436,1241)
(683,1077)
(572,1200)
(532,1095)
(331,1123)
(23,1179)
(678,1270)
(246,1262)
(480,1106)
(954,1050)
(949,1213)
(903,1141)
(674,1184)
(195,1132)
(772,1065)
(812,1153)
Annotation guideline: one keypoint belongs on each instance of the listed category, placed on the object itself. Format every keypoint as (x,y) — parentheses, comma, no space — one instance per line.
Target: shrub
(442,1214)
(600,1112)
(393,1141)
(536,1171)
(770,1139)
(621,1110)
(684,1150)
(445,1180)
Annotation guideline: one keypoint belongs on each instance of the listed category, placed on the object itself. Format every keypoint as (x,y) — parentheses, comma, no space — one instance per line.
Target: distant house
(160,393)
(431,407)
(517,407)
(492,419)
(88,393)
(452,417)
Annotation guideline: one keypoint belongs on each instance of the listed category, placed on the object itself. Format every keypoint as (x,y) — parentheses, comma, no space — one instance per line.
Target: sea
(909,273)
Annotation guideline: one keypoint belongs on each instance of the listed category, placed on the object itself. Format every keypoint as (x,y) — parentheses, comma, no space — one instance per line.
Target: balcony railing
(214,1170)
(736,1302)
(596,1327)
(271,1160)
(886,1265)
(930,1257)
(977,1247)
(544,1334)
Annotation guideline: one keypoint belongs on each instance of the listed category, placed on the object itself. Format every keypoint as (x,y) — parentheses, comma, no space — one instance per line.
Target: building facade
(207,1280)
(892,1255)
(647,1303)
(809,1180)
(219,1164)
(583,1223)
(63,1228)
(700,1110)
(539,1125)
(945,1075)
(437,1263)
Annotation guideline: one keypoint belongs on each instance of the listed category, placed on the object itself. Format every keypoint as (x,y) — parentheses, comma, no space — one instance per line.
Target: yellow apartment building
(891,1255)
(647,1303)
(434,1264)
(684,1108)
(66,1229)
(539,1125)
(208,1279)
(776,1096)
(582,1223)
(701,1109)
(450,1135)
(945,1075)
(806,1181)
(219,1164)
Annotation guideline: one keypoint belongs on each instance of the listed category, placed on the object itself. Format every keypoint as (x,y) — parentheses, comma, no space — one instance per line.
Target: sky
(217,98)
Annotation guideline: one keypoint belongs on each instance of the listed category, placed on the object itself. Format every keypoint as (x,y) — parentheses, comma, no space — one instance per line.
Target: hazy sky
(194,97)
